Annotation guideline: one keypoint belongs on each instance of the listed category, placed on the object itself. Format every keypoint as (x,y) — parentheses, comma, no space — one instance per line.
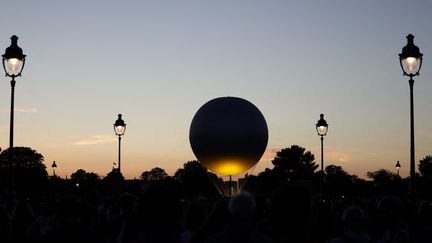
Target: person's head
(390,211)
(242,207)
(194,216)
(390,205)
(424,213)
(69,212)
(126,202)
(292,204)
(354,219)
(159,207)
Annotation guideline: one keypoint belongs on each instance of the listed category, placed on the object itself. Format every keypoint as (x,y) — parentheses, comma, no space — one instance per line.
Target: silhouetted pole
(119,153)
(11,136)
(322,155)
(230,186)
(412,141)
(13,64)
(322,128)
(411,61)
(119,129)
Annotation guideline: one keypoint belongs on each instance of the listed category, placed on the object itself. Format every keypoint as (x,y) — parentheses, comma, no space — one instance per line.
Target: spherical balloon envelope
(228,135)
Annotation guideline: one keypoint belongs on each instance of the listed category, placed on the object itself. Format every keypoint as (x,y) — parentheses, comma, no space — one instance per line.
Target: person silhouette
(241,227)
(71,226)
(156,217)
(355,227)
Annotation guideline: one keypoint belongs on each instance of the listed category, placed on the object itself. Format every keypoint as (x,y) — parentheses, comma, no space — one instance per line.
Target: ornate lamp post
(398,166)
(13,64)
(411,61)
(322,128)
(119,129)
(54,167)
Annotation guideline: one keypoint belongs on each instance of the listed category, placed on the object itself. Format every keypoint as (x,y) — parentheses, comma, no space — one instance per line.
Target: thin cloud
(269,154)
(338,156)
(97,139)
(23,110)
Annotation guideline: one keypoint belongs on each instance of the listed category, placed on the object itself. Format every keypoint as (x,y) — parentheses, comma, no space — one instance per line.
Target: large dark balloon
(228,135)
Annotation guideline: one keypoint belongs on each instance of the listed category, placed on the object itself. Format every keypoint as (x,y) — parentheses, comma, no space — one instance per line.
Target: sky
(158,62)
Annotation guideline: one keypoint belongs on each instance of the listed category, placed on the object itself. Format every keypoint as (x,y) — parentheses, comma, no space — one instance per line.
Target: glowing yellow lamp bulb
(13,63)
(322,129)
(411,63)
(120,130)
(411,60)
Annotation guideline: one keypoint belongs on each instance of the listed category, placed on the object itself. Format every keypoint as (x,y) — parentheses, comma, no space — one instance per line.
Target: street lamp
(398,166)
(13,64)
(411,61)
(119,129)
(322,128)
(54,166)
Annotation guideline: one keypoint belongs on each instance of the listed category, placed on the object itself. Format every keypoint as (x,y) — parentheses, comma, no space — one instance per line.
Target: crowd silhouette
(285,204)
(160,213)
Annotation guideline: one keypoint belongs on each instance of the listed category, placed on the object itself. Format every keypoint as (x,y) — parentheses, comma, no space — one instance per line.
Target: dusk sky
(158,62)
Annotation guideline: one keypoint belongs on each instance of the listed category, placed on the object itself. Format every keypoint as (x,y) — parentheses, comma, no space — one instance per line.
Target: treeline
(290,164)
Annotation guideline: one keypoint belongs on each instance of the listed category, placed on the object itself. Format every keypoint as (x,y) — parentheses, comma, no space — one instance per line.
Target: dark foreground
(159,213)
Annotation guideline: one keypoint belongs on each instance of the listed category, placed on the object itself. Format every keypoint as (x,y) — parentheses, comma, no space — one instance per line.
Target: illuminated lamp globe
(228,135)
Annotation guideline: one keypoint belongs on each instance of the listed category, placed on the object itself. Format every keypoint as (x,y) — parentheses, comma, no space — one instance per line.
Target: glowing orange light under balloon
(232,167)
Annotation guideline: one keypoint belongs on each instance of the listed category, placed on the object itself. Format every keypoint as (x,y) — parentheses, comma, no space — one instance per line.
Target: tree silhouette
(295,163)
(29,170)
(425,167)
(266,181)
(337,180)
(114,176)
(196,180)
(78,175)
(382,175)
(336,173)
(82,176)
(84,181)
(155,174)
(386,181)
(113,181)
(424,182)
